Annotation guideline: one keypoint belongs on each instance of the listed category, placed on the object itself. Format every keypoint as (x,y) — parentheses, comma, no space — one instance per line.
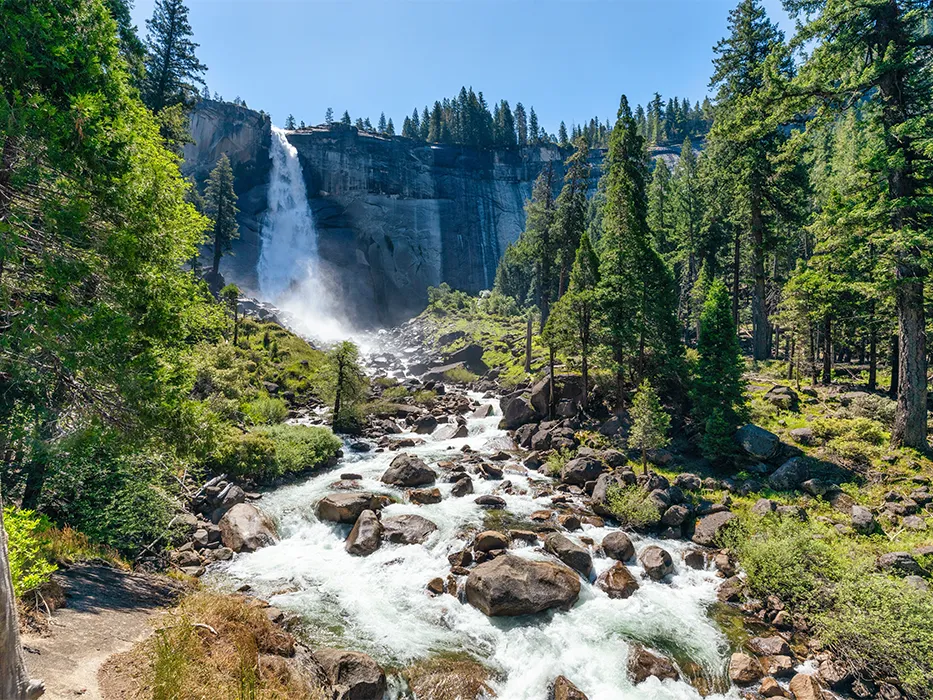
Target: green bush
(28,567)
(874,407)
(881,626)
(269,452)
(862,429)
(556,461)
(266,410)
(460,375)
(247,455)
(394,393)
(631,506)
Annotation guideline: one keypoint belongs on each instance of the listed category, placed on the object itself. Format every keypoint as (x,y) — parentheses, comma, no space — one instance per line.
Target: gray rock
(424,496)
(764,506)
(803,435)
(347,507)
(617,581)
(407,529)
(758,442)
(408,470)
(245,528)
(617,545)
(425,425)
(510,585)
(790,475)
(863,522)
(462,487)
(517,411)
(490,501)
(451,431)
(656,562)
(352,674)
(708,527)
(569,552)
(582,469)
(366,535)
(901,563)
(675,516)
(769,646)
(642,664)
(688,482)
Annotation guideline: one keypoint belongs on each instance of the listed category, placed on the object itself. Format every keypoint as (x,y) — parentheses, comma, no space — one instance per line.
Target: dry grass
(449,678)
(212,646)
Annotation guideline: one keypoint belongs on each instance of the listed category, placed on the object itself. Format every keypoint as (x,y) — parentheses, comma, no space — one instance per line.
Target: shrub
(631,506)
(301,447)
(247,455)
(862,429)
(266,410)
(460,375)
(424,397)
(874,407)
(556,461)
(717,441)
(29,568)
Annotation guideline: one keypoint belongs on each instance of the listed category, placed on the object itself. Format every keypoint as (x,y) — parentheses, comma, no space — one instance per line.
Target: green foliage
(862,429)
(631,506)
(718,391)
(650,421)
(344,384)
(557,460)
(266,409)
(442,299)
(460,375)
(266,453)
(172,69)
(28,567)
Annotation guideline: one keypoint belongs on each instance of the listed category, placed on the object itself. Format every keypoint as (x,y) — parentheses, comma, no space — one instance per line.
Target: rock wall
(393,216)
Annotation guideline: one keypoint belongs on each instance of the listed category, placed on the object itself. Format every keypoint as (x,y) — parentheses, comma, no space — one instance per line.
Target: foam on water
(378,603)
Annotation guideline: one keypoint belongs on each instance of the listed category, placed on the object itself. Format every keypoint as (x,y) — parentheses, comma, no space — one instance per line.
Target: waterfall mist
(290,271)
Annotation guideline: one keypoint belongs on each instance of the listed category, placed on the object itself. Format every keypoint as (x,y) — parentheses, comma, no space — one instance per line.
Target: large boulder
(569,552)
(642,664)
(708,527)
(451,431)
(471,356)
(744,669)
(512,585)
(517,411)
(863,522)
(245,528)
(352,674)
(567,387)
(806,687)
(407,529)
(489,540)
(769,646)
(366,535)
(347,507)
(580,470)
(758,442)
(790,475)
(408,470)
(617,545)
(425,425)
(563,689)
(656,562)
(617,581)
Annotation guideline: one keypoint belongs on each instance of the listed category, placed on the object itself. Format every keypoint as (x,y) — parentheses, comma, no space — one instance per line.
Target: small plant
(631,506)
(649,423)
(29,567)
(460,375)
(266,410)
(557,460)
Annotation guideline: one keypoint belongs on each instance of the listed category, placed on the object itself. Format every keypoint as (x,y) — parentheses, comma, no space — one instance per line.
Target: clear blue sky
(571,60)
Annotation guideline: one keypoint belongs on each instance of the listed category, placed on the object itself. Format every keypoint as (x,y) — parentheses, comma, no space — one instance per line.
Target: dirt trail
(108,610)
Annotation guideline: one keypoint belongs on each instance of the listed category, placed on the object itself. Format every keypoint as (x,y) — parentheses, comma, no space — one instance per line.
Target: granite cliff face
(393,216)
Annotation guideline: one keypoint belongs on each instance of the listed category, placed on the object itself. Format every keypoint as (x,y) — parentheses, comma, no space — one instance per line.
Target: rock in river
(617,545)
(656,562)
(408,470)
(366,535)
(347,507)
(512,585)
(353,674)
(642,664)
(245,528)
(407,529)
(617,581)
(569,552)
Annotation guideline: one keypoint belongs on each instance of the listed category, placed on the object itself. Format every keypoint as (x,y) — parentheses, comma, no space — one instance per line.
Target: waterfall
(290,271)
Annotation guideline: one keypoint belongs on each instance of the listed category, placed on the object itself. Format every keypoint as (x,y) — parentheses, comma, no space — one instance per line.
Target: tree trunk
(550,400)
(14,678)
(910,420)
(827,350)
(736,274)
(760,324)
(789,352)
(895,364)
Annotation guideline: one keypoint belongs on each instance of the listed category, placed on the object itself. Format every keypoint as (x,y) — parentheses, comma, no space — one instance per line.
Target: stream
(378,604)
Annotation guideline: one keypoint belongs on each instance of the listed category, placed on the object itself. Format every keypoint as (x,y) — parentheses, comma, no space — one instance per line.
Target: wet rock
(347,507)
(245,528)
(569,552)
(366,535)
(758,442)
(834,674)
(730,590)
(517,411)
(806,687)
(769,646)
(352,674)
(407,529)
(617,545)
(424,496)
(617,581)
(779,666)
(489,540)
(790,475)
(533,461)
(408,470)
(489,501)
(425,425)
(642,664)
(563,689)
(656,562)
(695,559)
(744,669)
(483,411)
(582,469)
(460,559)
(510,585)
(451,431)
(770,688)
(436,586)
(708,527)
(462,487)
(569,521)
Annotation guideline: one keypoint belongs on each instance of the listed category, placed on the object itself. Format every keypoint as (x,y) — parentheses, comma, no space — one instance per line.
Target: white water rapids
(291,275)
(378,604)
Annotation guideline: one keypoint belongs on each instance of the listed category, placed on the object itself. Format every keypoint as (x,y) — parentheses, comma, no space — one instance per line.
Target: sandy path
(107,612)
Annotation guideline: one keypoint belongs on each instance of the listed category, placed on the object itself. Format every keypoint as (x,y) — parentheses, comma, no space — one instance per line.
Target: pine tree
(562,139)
(382,123)
(231,297)
(329,116)
(345,385)
(650,422)
(220,204)
(570,217)
(659,208)
(718,392)
(533,129)
(172,68)
(409,131)
(877,58)
(345,119)
(290,122)
(686,219)
(390,128)
(538,236)
(521,124)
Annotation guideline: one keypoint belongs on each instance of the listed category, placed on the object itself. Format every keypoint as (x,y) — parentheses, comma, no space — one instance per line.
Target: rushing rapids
(378,604)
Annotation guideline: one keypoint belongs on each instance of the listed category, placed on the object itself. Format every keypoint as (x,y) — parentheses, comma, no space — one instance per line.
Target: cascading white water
(291,275)
(378,604)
